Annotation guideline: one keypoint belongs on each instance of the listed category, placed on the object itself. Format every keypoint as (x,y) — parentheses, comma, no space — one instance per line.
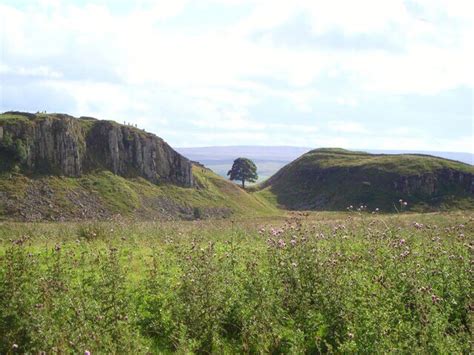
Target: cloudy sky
(393,74)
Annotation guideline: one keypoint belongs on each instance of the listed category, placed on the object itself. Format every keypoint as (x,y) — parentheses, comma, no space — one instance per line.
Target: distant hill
(270,159)
(58,167)
(333,179)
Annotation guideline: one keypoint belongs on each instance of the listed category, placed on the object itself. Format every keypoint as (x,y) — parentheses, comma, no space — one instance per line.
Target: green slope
(104,195)
(333,179)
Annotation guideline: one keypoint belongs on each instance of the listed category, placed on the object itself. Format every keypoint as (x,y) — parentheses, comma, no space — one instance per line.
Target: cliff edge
(59,144)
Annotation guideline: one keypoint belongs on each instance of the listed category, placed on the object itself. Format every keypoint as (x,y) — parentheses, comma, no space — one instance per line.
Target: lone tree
(243,170)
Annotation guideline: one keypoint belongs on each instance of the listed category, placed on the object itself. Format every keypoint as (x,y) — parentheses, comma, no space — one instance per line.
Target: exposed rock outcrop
(430,184)
(63,145)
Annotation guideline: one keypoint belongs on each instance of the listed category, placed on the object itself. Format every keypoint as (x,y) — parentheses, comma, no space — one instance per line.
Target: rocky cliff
(57,144)
(335,179)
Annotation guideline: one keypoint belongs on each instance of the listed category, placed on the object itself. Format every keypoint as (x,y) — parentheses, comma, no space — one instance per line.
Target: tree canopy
(243,170)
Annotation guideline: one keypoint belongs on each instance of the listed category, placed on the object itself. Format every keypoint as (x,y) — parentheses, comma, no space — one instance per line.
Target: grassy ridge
(318,283)
(403,164)
(334,179)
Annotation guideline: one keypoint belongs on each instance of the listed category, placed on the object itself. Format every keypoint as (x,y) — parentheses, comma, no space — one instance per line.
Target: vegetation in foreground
(347,282)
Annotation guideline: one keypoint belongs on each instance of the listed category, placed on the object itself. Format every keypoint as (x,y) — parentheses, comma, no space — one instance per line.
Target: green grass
(314,283)
(7,118)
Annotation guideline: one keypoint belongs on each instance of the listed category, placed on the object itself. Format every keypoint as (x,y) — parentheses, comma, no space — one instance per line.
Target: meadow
(353,282)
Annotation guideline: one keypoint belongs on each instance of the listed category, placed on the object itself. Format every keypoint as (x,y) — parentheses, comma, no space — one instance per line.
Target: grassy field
(305,283)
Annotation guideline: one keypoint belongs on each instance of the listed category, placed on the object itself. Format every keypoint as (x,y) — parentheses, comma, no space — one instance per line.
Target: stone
(59,144)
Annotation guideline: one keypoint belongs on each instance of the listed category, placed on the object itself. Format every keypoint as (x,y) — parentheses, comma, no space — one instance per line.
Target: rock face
(431,184)
(63,145)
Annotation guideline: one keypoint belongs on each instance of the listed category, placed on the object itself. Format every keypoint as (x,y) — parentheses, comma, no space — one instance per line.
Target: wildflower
(405,203)
(350,335)
(405,253)
(274,232)
(294,264)
(293,242)
(87,352)
(435,299)
(402,241)
(281,243)
(15,346)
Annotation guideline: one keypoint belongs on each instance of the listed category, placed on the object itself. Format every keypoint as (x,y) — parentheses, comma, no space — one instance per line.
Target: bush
(13,152)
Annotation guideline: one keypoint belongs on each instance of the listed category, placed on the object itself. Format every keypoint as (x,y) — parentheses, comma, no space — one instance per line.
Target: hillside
(103,195)
(57,167)
(333,179)
(270,159)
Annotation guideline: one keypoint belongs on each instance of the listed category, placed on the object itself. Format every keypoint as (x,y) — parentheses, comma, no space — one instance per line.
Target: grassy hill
(104,195)
(333,179)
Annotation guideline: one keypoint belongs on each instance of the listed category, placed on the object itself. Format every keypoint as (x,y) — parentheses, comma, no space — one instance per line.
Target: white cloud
(138,66)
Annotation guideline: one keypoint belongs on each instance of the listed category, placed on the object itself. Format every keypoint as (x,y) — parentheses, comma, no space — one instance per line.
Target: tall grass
(350,283)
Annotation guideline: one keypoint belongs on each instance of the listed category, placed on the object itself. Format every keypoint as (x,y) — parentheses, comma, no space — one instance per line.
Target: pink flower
(281,243)
(293,242)
(87,352)
(275,232)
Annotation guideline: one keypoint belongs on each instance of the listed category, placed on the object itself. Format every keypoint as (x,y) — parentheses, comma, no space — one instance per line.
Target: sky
(393,74)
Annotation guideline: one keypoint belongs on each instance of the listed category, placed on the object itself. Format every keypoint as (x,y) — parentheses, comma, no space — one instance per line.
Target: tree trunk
(243,184)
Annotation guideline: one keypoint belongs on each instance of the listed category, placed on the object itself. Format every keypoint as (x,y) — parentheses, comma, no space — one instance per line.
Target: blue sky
(372,74)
